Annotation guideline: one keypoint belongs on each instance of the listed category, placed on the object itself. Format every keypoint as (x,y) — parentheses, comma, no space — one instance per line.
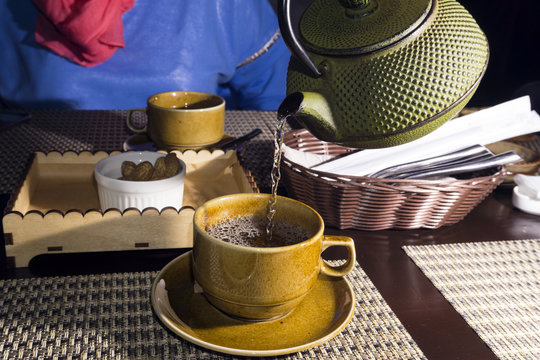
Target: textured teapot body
(395,94)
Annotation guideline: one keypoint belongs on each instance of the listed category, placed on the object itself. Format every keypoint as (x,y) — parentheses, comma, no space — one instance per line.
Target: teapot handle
(286,28)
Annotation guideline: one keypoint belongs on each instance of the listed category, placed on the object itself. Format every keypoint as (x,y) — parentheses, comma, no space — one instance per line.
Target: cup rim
(150,104)
(273,249)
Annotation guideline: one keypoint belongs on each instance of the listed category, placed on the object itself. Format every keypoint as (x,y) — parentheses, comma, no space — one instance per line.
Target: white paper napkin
(503,121)
(306,159)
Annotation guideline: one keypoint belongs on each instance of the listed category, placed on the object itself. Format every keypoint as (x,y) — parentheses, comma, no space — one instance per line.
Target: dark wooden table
(434,324)
(437,328)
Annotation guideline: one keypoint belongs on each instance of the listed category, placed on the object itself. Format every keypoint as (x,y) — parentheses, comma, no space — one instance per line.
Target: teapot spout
(312,111)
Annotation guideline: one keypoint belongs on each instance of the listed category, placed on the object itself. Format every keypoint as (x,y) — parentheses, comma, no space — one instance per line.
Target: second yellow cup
(182,119)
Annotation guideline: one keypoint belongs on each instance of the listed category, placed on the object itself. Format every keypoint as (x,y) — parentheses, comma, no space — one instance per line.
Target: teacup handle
(130,125)
(348,266)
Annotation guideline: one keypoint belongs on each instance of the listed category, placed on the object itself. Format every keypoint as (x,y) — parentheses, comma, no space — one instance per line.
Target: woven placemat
(95,130)
(495,286)
(109,316)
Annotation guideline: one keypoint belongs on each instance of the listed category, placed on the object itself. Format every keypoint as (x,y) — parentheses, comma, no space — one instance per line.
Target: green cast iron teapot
(378,73)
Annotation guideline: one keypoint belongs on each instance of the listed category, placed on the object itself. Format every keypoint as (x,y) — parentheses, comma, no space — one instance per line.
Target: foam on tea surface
(250,230)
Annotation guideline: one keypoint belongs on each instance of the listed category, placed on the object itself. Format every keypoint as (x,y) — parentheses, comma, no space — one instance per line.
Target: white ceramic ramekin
(123,194)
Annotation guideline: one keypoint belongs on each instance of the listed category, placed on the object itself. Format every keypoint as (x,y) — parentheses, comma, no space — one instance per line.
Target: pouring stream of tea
(275,176)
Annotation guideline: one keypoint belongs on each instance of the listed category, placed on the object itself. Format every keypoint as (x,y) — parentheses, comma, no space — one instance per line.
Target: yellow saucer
(180,305)
(141,142)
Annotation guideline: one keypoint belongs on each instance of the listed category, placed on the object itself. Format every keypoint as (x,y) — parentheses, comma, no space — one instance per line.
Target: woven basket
(365,203)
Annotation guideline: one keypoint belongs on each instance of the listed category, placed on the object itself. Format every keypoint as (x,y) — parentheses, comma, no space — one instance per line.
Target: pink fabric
(86,31)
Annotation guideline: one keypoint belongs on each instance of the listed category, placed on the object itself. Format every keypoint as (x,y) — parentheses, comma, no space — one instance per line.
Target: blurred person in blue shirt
(231,48)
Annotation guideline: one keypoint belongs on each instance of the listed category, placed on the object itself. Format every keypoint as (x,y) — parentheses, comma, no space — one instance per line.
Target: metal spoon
(467,154)
(508,157)
(239,140)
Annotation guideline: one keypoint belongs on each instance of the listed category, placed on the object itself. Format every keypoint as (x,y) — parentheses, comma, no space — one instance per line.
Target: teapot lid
(353,27)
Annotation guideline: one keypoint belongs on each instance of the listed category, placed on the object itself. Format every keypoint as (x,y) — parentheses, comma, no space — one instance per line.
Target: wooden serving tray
(56,207)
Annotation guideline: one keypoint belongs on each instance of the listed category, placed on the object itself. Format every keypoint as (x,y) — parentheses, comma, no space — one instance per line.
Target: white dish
(124,194)
(525,202)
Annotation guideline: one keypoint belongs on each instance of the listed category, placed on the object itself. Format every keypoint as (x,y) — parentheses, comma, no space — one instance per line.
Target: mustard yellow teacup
(256,281)
(182,119)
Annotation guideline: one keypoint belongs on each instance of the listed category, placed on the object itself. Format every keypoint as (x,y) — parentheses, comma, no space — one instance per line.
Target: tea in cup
(182,119)
(250,277)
